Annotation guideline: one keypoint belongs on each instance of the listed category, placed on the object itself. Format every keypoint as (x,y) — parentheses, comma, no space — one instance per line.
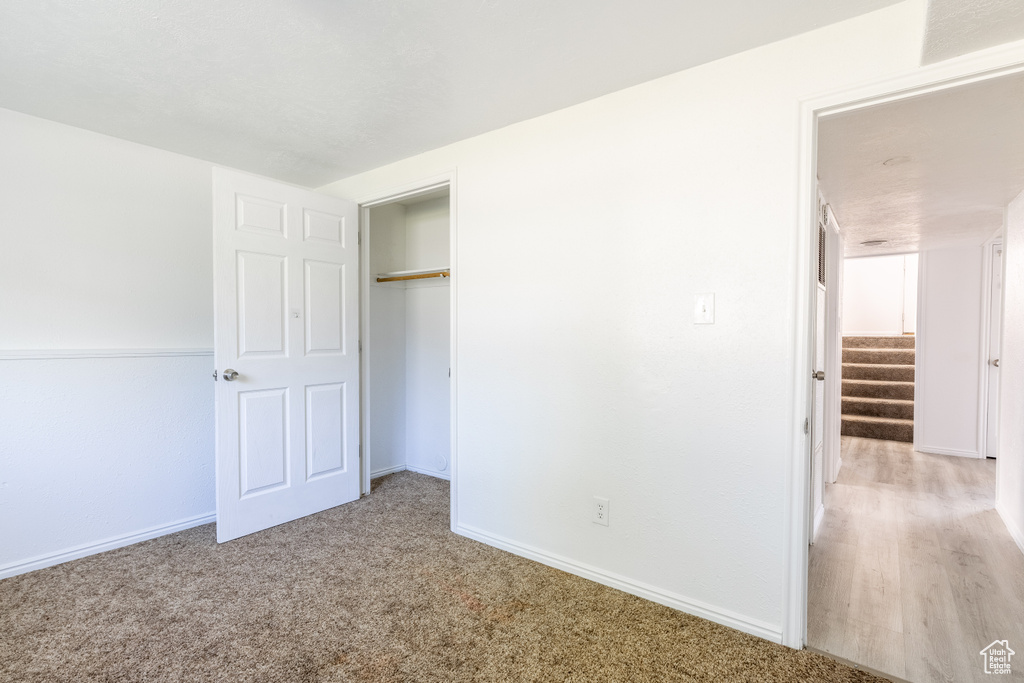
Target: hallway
(913,571)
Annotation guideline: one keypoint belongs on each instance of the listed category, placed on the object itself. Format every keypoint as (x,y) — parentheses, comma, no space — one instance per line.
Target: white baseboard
(819,515)
(947,451)
(1015,531)
(387,470)
(646,591)
(76,552)
(431,473)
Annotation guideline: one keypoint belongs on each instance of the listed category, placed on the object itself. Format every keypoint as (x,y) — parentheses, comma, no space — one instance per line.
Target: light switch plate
(704,309)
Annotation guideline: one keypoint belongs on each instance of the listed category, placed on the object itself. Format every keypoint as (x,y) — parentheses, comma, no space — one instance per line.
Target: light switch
(704,309)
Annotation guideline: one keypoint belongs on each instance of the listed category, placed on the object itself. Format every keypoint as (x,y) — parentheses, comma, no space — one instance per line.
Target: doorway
(407,325)
(937,546)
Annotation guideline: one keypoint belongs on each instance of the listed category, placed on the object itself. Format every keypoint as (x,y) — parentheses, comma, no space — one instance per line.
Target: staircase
(878,387)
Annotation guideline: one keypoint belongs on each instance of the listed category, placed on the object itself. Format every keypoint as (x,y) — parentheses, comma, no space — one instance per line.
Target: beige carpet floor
(377,590)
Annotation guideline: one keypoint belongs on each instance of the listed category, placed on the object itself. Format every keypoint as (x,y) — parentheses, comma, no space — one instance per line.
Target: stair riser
(901,411)
(884,356)
(900,391)
(889,432)
(891,373)
(878,342)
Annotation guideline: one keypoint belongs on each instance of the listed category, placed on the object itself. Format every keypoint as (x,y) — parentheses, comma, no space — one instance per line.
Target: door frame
(975,67)
(380,198)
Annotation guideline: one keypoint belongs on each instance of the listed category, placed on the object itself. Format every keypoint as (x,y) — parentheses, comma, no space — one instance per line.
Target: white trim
(979,66)
(1015,531)
(428,472)
(674,600)
(819,517)
(76,354)
(405,191)
(947,451)
(386,471)
(75,552)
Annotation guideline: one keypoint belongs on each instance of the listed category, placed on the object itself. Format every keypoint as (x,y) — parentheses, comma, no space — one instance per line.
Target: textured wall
(582,237)
(101,448)
(956,27)
(106,245)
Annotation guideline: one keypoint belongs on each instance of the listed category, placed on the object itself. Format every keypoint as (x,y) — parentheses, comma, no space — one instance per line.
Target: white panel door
(818,414)
(286,320)
(994,343)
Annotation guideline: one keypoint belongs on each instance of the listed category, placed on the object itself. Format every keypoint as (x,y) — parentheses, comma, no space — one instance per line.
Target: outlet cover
(601,511)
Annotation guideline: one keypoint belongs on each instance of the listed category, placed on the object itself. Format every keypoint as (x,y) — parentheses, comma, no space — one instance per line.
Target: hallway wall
(880,295)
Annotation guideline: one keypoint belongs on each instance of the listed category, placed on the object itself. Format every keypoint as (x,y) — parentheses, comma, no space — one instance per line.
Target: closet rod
(387,277)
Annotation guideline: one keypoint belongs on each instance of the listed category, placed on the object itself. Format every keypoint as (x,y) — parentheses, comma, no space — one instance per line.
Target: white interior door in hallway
(995,328)
(286,263)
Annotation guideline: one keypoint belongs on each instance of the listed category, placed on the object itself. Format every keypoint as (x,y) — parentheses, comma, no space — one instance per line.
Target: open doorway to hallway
(914,569)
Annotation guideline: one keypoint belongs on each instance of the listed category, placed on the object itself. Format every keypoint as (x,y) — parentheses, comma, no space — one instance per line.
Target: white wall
(1010,479)
(428,323)
(106,245)
(582,237)
(947,399)
(384,343)
(880,295)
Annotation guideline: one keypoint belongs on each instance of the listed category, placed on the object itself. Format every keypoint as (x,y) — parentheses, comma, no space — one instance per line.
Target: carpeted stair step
(876,389)
(878,407)
(879,356)
(887,428)
(904,342)
(890,373)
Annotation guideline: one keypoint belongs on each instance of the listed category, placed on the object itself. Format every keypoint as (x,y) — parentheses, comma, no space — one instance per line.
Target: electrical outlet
(601,511)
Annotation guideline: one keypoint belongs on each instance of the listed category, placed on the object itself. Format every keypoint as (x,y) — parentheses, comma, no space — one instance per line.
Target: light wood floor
(913,572)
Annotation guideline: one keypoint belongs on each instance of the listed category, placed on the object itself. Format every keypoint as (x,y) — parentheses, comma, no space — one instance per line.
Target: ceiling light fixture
(873,243)
(892,161)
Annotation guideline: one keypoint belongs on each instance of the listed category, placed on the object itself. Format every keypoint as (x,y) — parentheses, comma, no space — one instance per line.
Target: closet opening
(405,336)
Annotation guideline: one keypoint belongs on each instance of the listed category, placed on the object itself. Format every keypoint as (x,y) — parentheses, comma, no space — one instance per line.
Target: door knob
(229,375)
(995,362)
(819,375)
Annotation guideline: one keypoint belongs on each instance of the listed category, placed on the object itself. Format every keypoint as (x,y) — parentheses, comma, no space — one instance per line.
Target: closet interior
(406,340)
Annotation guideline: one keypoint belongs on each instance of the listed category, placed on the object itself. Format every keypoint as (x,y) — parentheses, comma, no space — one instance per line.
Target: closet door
(287,352)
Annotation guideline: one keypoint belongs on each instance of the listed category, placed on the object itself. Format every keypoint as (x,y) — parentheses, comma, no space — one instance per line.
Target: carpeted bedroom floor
(377,590)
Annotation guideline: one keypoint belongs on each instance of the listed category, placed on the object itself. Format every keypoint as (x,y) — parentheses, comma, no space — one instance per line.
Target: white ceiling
(929,172)
(310,91)
(956,27)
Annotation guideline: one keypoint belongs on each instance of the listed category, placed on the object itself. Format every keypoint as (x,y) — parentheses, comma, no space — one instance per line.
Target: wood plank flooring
(913,572)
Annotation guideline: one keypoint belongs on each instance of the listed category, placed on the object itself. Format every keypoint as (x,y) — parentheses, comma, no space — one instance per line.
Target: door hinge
(807,425)
(360,346)
(359,237)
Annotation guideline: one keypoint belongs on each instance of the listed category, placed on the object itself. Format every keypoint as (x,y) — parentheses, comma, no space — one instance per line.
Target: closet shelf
(413,274)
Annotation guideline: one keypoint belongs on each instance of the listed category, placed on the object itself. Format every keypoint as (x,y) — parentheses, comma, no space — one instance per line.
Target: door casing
(976,67)
(387,196)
